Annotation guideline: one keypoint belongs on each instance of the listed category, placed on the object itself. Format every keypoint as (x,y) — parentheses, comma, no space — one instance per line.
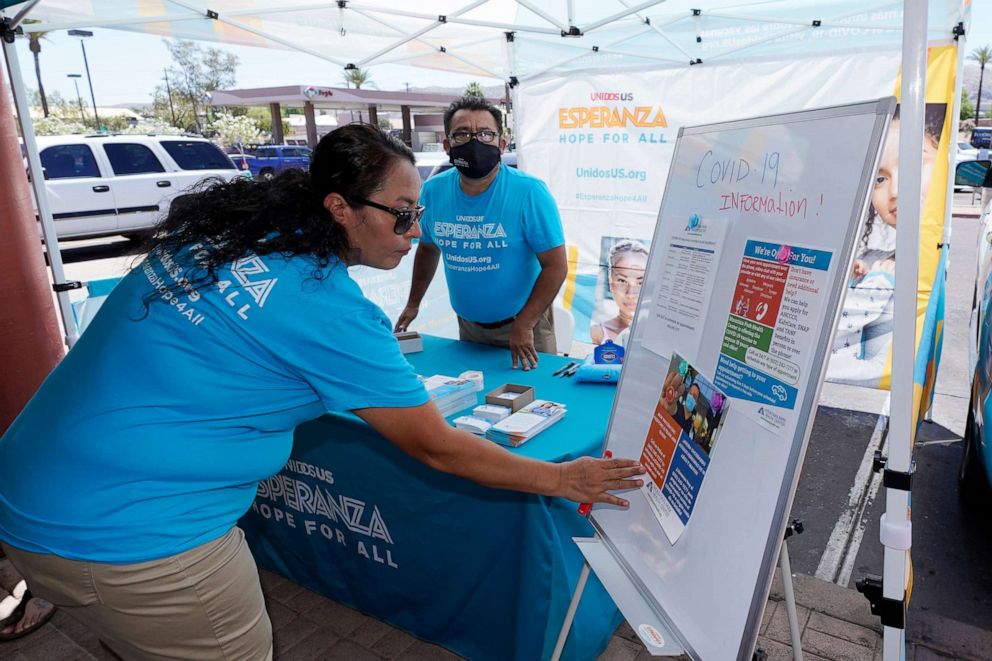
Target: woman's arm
(421,432)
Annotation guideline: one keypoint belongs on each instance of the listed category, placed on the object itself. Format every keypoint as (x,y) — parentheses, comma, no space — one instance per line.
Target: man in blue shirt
(500,234)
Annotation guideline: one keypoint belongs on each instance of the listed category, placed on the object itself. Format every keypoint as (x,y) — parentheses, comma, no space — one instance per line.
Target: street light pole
(83,35)
(75,80)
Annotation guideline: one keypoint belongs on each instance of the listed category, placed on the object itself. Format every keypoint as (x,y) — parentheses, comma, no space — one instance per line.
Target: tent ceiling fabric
(471,36)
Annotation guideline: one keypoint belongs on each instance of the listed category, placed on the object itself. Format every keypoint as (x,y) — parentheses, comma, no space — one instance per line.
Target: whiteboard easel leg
(570,614)
(790,602)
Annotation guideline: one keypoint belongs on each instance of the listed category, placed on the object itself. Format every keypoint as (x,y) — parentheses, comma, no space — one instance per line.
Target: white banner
(603,143)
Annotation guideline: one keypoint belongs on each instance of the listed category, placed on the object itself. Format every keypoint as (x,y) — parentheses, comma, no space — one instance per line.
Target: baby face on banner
(884,196)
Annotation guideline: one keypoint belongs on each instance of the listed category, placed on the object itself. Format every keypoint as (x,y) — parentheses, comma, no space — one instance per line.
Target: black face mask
(474,159)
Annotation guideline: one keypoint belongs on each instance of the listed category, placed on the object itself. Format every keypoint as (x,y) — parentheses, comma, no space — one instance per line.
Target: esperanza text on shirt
(460,231)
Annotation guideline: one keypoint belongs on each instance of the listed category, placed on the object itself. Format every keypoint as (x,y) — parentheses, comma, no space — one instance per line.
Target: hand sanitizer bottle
(608,353)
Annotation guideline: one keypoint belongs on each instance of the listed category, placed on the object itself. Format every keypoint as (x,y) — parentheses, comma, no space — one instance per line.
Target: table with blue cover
(483,572)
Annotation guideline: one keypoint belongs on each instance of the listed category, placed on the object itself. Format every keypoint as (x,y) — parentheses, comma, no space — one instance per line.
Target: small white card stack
(450,394)
(491,412)
(526,423)
(409,341)
(472,425)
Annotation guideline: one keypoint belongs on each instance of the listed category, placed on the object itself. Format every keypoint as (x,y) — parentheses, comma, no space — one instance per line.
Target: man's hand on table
(522,345)
(406,317)
(587,480)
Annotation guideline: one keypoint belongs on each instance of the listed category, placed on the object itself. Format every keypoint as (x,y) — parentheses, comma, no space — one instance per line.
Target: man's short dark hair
(472,103)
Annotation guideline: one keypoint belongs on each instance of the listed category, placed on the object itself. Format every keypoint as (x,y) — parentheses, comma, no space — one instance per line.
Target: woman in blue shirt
(122,481)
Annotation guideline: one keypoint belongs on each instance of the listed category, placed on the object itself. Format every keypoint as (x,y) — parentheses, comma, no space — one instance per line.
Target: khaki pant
(205,603)
(544,333)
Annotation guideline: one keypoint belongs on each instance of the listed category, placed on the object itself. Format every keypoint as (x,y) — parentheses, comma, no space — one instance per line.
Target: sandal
(28,602)
(12,606)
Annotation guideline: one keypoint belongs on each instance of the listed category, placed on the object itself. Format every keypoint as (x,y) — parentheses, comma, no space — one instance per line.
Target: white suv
(99,185)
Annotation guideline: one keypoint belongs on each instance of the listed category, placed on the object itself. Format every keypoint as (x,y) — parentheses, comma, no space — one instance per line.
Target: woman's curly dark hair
(283,215)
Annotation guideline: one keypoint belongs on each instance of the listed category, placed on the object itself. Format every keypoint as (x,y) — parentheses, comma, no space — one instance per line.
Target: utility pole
(75,80)
(83,35)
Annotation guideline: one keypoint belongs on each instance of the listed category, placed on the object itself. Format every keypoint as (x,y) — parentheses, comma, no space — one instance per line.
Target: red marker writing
(585,508)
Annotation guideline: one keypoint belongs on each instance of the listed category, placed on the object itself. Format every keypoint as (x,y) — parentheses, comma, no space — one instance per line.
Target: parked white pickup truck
(99,185)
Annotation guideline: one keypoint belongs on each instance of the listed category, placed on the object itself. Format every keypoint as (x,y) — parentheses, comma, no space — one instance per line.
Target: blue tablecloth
(484,572)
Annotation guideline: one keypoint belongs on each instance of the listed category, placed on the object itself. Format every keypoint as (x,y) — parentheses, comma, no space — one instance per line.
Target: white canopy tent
(519,39)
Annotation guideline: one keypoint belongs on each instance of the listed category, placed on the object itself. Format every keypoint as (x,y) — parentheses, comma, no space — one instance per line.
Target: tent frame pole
(896,526)
(37,181)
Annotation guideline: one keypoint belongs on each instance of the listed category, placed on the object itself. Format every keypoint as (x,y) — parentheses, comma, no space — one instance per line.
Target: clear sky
(126,66)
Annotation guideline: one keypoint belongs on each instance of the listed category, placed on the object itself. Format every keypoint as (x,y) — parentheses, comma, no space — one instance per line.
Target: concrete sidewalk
(835,622)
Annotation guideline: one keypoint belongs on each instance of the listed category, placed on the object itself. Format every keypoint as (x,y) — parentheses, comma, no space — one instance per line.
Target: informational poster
(769,336)
(749,262)
(680,440)
(692,254)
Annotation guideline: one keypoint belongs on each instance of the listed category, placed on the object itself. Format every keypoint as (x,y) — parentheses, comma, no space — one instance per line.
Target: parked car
(99,185)
(981,137)
(240,161)
(975,475)
(966,152)
(428,160)
(269,160)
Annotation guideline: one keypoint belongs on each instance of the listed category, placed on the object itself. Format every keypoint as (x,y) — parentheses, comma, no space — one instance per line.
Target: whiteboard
(737,192)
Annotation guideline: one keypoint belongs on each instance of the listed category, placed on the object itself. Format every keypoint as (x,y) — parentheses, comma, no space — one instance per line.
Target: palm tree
(983,56)
(356,77)
(34,44)
(474,89)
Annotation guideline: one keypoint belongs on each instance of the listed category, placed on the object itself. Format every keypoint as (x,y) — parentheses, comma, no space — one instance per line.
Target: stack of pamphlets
(450,394)
(472,425)
(529,421)
(491,412)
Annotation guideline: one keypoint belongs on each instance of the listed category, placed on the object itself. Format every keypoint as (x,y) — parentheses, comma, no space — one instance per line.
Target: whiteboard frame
(883,110)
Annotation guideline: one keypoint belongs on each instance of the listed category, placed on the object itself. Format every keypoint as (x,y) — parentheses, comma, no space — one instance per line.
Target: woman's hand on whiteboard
(588,480)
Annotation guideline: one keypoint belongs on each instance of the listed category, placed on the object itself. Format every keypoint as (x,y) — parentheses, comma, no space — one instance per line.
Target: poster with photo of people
(680,442)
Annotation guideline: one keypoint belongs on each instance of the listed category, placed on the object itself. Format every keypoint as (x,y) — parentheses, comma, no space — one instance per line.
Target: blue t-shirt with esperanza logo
(489,241)
(150,437)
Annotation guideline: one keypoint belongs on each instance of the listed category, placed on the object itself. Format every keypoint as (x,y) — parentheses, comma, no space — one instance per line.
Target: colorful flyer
(768,341)
(680,442)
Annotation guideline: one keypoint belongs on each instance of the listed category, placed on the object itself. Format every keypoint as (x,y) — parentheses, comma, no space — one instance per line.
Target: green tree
(474,89)
(262,118)
(357,77)
(34,45)
(967,107)
(983,56)
(194,74)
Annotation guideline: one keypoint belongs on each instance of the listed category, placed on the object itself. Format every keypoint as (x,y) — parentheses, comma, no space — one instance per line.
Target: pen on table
(585,508)
(571,370)
(561,370)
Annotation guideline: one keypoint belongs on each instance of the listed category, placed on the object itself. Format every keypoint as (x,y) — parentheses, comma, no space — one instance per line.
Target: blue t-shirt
(150,437)
(489,242)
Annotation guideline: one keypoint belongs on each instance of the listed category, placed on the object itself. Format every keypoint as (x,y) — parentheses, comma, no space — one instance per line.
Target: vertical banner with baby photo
(679,444)
(862,350)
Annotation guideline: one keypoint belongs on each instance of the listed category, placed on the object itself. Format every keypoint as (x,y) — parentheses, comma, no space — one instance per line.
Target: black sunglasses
(405,218)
